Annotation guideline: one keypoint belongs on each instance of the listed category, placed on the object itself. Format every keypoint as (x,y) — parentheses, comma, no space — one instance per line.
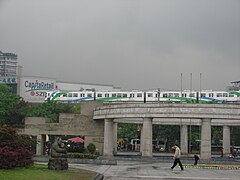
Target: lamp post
(181,84)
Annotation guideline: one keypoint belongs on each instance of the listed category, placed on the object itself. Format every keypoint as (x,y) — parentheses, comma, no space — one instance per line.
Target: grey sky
(134,44)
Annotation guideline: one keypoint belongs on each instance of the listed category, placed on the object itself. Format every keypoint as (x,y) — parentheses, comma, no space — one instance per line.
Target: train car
(146,96)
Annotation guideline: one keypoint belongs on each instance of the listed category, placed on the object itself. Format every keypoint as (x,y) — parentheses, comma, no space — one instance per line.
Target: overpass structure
(184,115)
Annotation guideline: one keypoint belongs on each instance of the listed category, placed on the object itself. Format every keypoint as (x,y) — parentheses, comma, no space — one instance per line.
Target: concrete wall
(70,124)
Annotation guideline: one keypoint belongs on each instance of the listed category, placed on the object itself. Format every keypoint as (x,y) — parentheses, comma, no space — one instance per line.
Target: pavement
(133,170)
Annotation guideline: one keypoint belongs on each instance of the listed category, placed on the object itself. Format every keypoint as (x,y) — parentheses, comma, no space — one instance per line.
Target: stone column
(108,138)
(205,151)
(226,140)
(141,140)
(41,139)
(184,139)
(147,137)
(115,136)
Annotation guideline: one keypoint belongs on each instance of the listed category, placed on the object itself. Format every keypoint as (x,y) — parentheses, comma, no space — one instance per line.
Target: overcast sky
(132,44)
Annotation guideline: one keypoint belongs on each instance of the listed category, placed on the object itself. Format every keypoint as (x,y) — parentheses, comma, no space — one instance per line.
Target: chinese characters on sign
(8,80)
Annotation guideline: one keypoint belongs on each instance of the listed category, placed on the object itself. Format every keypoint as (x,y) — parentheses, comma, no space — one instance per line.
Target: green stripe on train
(235,93)
(58,95)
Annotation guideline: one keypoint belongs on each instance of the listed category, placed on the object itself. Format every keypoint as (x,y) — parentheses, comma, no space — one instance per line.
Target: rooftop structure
(235,86)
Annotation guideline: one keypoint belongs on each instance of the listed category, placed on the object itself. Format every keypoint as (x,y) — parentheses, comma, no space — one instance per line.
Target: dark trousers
(177,161)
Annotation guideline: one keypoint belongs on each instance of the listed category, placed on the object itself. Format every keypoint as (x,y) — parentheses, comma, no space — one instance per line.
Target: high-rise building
(8,64)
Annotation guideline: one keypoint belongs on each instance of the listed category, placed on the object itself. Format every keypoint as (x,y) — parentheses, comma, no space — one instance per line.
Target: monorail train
(146,96)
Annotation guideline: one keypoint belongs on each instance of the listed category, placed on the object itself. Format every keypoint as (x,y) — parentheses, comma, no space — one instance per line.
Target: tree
(128,131)
(51,110)
(15,150)
(10,107)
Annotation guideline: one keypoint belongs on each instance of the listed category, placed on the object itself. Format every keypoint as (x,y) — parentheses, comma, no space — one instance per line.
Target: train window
(124,95)
(107,95)
(156,95)
(230,95)
(64,95)
(89,95)
(114,95)
(203,94)
(210,95)
(170,95)
(176,95)
(82,95)
(139,94)
(219,94)
(184,95)
(75,94)
(119,95)
(191,95)
(99,95)
(150,94)
(132,95)
(225,95)
(70,95)
(165,95)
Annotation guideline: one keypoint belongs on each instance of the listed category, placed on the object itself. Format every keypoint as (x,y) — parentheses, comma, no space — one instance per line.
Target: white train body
(146,96)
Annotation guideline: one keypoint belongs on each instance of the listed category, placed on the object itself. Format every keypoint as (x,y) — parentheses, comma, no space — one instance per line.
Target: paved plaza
(132,170)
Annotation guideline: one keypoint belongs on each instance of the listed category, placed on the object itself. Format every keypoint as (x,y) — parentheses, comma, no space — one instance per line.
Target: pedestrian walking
(176,157)
(196,158)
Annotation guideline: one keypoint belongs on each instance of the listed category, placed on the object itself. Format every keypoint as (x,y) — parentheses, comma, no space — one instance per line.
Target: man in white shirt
(176,157)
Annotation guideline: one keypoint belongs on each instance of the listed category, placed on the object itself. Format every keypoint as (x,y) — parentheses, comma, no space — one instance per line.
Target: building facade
(9,70)
(8,64)
(34,88)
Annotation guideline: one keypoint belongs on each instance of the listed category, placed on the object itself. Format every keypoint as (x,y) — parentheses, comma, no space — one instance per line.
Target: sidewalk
(131,170)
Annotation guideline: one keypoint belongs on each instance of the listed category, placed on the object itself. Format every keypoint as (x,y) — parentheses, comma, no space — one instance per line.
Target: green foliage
(11,106)
(82,155)
(169,132)
(235,134)
(129,131)
(15,150)
(217,134)
(51,110)
(91,148)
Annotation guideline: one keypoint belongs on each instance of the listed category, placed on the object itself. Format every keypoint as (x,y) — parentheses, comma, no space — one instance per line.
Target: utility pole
(200,86)
(181,84)
(190,83)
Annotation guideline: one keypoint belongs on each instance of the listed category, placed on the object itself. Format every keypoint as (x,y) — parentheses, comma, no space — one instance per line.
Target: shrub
(15,150)
(91,148)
